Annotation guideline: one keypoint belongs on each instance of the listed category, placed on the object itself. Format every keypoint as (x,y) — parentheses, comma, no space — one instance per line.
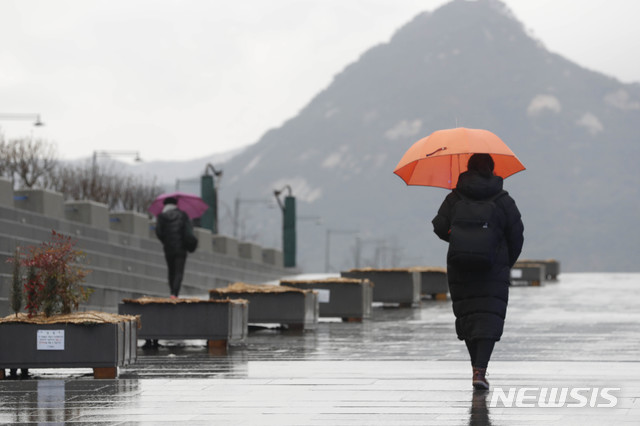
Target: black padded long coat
(170,230)
(480,300)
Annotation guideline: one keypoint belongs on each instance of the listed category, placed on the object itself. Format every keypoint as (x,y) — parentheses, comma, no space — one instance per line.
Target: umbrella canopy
(438,159)
(192,205)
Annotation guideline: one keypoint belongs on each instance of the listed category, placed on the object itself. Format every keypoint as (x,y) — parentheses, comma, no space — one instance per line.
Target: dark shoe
(479,380)
(148,344)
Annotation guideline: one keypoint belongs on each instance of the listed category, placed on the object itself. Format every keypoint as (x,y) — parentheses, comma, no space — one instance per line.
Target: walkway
(404,367)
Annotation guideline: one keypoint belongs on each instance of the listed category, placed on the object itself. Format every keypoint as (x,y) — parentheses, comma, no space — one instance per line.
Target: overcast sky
(181,79)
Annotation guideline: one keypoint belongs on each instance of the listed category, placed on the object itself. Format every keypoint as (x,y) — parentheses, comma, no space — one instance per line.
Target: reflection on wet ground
(402,367)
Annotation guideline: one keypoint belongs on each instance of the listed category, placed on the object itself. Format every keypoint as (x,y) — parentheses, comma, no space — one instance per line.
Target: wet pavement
(402,367)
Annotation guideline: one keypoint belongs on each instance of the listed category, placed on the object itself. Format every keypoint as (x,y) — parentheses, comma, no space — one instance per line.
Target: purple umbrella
(192,205)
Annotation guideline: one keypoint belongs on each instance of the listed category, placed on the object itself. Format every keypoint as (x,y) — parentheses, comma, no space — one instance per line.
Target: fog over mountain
(468,64)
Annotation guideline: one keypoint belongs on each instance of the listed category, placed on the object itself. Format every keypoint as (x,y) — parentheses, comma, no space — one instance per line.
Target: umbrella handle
(444,148)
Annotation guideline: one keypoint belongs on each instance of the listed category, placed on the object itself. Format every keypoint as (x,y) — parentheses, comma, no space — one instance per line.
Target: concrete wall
(6,193)
(126,264)
(41,201)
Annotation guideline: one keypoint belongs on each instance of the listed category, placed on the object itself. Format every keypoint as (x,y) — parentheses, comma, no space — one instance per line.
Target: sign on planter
(50,340)
(323,295)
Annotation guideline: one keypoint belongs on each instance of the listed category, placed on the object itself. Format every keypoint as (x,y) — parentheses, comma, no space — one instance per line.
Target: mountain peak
(464,22)
(471,64)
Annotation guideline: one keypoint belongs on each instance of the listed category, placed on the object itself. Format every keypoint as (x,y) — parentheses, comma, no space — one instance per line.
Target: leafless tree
(28,161)
(33,164)
(104,184)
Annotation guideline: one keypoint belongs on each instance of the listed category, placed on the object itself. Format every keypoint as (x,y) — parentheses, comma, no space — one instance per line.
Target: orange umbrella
(438,159)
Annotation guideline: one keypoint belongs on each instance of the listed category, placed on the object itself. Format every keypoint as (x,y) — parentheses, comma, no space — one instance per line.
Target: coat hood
(171,215)
(474,185)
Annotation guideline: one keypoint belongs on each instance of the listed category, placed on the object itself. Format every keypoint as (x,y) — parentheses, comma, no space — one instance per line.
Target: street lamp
(96,154)
(209,193)
(35,117)
(288,226)
(327,247)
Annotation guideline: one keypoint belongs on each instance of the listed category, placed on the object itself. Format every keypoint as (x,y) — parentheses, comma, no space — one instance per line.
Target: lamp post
(96,154)
(35,117)
(288,226)
(209,193)
(37,122)
(327,246)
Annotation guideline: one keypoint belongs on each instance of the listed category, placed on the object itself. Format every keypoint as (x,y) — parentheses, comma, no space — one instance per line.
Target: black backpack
(189,240)
(476,234)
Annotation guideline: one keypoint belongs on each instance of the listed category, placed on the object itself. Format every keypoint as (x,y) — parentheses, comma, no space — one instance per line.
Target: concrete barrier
(6,192)
(225,245)
(394,285)
(87,212)
(346,298)
(130,222)
(152,230)
(250,251)
(272,257)
(204,236)
(292,307)
(124,265)
(42,201)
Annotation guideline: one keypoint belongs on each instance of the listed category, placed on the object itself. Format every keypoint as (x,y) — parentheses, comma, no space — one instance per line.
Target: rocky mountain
(468,64)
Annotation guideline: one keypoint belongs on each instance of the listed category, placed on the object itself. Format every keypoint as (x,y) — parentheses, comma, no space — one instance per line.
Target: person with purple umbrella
(172,226)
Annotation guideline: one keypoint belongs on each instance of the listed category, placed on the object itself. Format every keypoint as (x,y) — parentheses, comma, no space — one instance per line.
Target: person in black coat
(171,228)
(480,298)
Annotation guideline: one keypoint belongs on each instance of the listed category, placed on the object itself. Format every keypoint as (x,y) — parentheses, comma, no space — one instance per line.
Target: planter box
(396,285)
(433,282)
(102,346)
(292,307)
(220,322)
(530,274)
(552,267)
(347,298)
